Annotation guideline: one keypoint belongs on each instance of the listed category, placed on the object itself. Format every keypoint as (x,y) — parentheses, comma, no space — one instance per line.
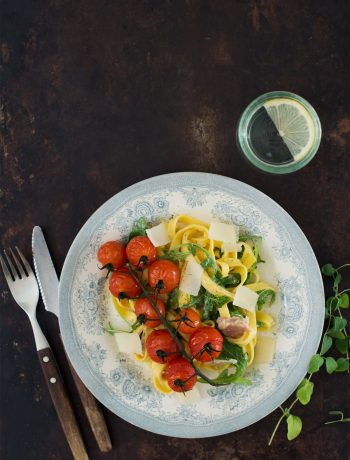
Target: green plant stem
(277,426)
(342,266)
(171,331)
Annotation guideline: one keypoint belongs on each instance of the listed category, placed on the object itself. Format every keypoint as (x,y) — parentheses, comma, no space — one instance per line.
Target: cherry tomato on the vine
(161,347)
(206,343)
(112,252)
(145,312)
(188,320)
(165,272)
(139,248)
(180,375)
(123,282)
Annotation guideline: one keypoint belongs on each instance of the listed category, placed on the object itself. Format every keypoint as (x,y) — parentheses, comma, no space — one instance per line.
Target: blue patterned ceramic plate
(123,385)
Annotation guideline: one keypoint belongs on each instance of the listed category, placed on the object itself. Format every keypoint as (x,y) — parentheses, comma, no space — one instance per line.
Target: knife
(48,284)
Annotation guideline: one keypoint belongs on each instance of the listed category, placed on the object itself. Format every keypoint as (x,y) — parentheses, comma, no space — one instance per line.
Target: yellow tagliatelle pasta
(189,235)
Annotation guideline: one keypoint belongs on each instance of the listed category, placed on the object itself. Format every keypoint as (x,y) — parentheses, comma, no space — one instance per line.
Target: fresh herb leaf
(342,365)
(175,255)
(326,344)
(305,391)
(112,330)
(240,253)
(260,324)
(339,323)
(211,304)
(234,311)
(139,228)
(342,345)
(173,299)
(331,365)
(294,425)
(328,270)
(249,276)
(252,238)
(315,364)
(234,351)
(231,280)
(266,296)
(225,378)
(344,300)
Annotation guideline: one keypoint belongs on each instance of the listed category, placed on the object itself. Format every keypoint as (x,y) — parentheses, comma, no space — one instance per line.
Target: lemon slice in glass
(293,123)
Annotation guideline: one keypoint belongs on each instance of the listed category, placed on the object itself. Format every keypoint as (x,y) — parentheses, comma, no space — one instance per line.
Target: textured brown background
(98,95)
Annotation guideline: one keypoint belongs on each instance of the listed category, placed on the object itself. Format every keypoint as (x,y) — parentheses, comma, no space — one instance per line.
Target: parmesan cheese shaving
(128,343)
(245,298)
(158,235)
(227,233)
(191,276)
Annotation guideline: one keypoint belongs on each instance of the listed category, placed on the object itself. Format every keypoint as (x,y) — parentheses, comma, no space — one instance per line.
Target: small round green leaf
(328,270)
(315,364)
(344,300)
(326,344)
(342,365)
(295,425)
(331,364)
(305,391)
(342,345)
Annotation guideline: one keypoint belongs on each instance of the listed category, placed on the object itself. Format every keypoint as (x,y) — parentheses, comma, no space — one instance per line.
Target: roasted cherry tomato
(145,312)
(123,282)
(188,320)
(180,375)
(206,343)
(113,253)
(140,251)
(161,347)
(164,272)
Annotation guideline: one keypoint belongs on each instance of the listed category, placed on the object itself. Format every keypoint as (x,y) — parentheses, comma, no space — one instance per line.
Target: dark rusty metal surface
(97,95)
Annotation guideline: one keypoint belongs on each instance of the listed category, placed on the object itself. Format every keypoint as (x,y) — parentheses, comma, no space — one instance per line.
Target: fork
(24,289)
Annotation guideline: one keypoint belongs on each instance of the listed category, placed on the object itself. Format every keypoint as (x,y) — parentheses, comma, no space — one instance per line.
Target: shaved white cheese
(264,350)
(227,233)
(158,235)
(191,276)
(228,246)
(245,298)
(128,343)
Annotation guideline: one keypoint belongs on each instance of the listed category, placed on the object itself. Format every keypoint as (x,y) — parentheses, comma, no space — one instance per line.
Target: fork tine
(12,268)
(18,265)
(27,267)
(7,273)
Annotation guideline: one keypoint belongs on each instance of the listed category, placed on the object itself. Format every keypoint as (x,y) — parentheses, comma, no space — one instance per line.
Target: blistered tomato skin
(139,248)
(123,282)
(206,344)
(112,252)
(161,347)
(180,375)
(166,273)
(188,320)
(145,312)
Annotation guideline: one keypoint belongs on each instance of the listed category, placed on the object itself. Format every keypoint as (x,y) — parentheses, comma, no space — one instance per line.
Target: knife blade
(45,271)
(48,285)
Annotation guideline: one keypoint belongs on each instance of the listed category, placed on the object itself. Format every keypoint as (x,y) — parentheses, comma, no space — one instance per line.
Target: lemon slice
(293,123)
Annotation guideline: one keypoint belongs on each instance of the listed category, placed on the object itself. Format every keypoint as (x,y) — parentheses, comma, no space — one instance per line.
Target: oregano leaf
(331,365)
(295,425)
(315,364)
(326,344)
(305,391)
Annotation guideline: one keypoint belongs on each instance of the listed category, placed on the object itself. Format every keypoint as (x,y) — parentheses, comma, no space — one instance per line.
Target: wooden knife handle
(93,413)
(62,404)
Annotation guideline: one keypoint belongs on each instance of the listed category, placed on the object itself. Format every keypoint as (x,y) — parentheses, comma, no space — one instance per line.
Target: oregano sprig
(335,340)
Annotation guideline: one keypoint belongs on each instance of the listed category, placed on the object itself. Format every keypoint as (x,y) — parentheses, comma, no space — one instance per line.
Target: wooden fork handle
(62,404)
